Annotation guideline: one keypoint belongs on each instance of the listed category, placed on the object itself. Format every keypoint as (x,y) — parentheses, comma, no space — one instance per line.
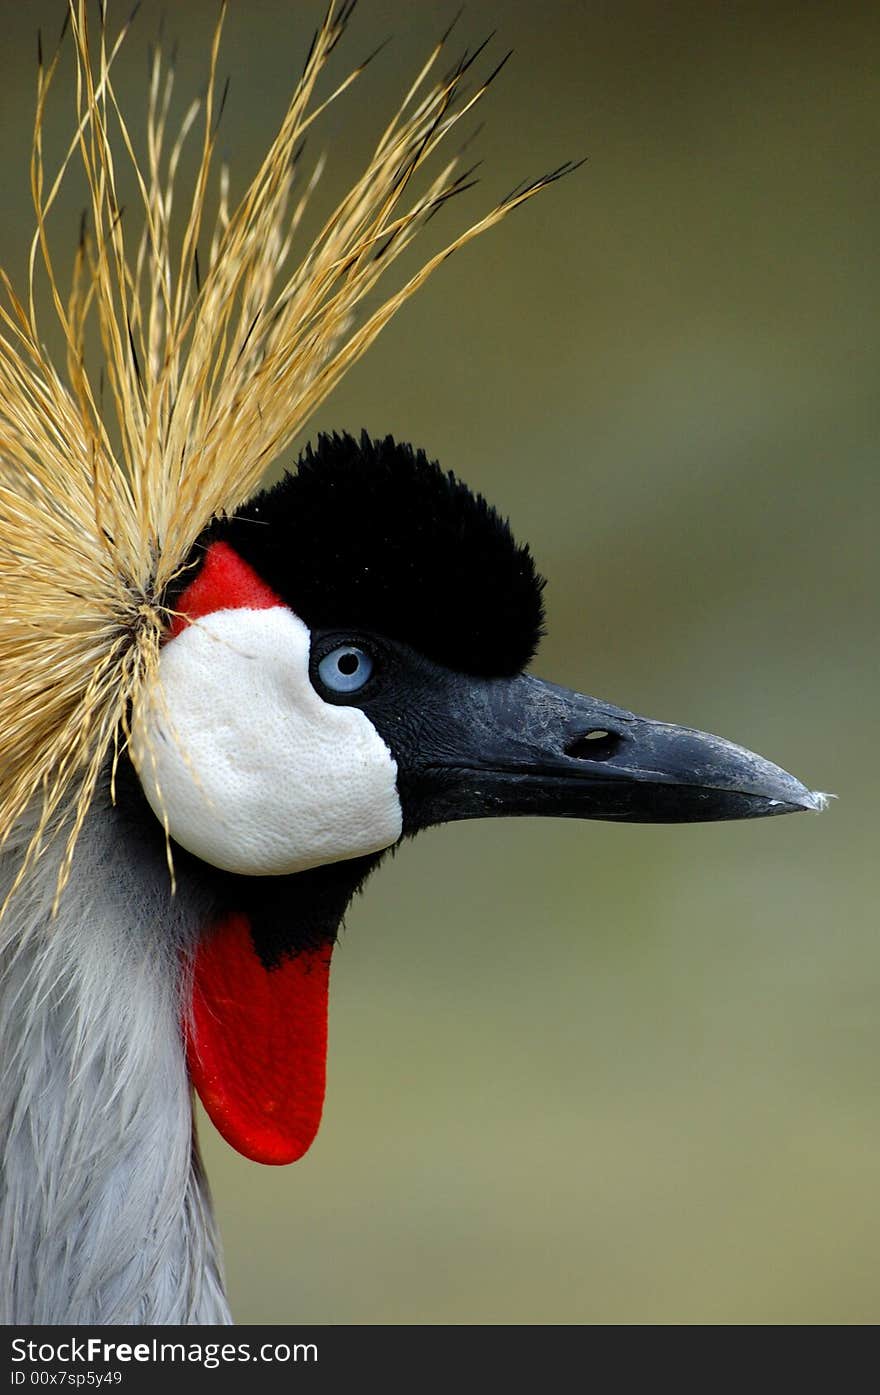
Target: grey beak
(523,746)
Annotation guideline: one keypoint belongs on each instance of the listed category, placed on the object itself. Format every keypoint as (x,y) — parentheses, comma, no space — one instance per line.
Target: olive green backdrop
(588,1073)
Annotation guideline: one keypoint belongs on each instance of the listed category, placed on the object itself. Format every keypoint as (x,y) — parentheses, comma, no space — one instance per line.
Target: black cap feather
(373,535)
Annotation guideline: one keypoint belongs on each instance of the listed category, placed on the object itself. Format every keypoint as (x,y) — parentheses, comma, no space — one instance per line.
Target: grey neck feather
(105,1215)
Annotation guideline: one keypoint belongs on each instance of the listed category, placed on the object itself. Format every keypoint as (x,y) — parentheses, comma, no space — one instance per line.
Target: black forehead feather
(373,535)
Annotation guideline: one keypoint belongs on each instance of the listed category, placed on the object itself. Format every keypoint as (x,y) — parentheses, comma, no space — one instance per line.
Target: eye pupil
(346,669)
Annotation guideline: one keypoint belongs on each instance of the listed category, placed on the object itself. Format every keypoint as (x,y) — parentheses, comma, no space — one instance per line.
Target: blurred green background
(588,1073)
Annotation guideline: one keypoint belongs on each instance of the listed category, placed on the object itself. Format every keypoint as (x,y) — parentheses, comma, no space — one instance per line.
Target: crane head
(346,666)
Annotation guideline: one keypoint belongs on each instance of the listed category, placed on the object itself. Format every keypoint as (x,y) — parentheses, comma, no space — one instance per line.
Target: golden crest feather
(212,366)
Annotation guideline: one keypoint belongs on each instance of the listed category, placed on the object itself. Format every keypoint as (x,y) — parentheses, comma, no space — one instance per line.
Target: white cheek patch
(252,770)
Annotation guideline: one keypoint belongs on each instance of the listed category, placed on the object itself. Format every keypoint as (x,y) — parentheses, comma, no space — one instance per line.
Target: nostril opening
(597,744)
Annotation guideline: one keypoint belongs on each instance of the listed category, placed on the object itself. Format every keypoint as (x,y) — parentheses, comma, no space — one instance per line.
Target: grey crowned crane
(220,708)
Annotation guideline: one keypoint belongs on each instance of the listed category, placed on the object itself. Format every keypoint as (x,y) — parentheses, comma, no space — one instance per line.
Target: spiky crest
(212,363)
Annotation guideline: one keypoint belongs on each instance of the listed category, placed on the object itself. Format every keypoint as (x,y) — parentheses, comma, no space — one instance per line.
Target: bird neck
(105,1215)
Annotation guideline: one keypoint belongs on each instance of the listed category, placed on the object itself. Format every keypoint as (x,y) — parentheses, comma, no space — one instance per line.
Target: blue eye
(346,669)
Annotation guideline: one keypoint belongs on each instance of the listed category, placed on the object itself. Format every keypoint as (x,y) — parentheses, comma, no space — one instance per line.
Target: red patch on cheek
(256,1038)
(225,582)
(257,1043)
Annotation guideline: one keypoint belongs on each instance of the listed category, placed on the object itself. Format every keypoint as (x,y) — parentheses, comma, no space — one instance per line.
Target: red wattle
(257,1043)
(225,582)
